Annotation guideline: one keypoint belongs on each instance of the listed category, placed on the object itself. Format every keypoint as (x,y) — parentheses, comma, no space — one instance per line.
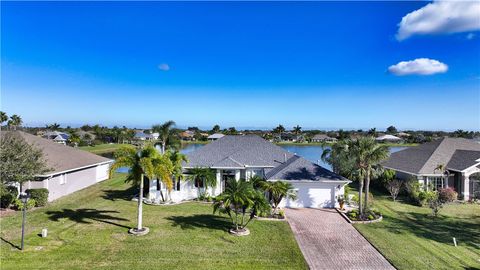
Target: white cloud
(164,67)
(441,17)
(420,66)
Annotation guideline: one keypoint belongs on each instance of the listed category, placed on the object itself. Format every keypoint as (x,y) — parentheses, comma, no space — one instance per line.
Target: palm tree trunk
(360,194)
(140,204)
(367,190)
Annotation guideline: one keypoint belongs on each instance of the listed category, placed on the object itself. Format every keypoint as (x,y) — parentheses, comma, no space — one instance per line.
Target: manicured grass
(102,148)
(410,238)
(88,229)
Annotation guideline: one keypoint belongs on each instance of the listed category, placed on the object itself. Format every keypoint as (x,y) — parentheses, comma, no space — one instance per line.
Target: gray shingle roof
(253,151)
(463,159)
(423,159)
(60,157)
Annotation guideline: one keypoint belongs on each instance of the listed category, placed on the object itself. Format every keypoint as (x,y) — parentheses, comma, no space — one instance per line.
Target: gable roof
(61,158)
(234,151)
(388,137)
(216,136)
(423,159)
(463,159)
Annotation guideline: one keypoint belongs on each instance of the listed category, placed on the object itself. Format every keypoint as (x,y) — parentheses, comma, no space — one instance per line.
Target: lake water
(309,152)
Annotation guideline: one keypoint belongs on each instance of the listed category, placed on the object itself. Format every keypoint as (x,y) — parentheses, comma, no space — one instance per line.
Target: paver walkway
(328,241)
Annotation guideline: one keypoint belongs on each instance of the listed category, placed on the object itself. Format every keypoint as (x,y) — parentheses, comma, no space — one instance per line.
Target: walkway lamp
(24,198)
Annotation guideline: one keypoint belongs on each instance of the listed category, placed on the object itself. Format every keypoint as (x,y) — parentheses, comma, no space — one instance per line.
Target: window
(199,183)
(178,184)
(435,182)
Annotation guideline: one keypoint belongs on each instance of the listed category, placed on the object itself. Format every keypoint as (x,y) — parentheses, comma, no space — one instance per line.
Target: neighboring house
(215,136)
(187,135)
(403,135)
(323,138)
(72,169)
(460,156)
(56,136)
(241,157)
(142,136)
(388,138)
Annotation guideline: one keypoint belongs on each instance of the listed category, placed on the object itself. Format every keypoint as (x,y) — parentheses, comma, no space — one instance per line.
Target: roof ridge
(442,140)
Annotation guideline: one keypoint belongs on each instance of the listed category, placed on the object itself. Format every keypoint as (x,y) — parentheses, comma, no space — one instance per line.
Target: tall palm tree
(147,162)
(165,133)
(278,191)
(367,155)
(3,118)
(15,121)
(297,129)
(205,176)
(337,156)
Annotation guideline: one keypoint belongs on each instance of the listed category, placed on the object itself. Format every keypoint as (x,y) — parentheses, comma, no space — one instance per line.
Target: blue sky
(319,65)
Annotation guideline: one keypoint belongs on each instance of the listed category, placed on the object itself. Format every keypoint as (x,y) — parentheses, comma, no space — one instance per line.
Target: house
(56,136)
(187,135)
(323,138)
(241,157)
(290,137)
(461,157)
(215,136)
(142,136)
(71,169)
(388,138)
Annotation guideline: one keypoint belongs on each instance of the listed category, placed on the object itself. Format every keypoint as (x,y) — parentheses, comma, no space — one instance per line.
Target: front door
(227,175)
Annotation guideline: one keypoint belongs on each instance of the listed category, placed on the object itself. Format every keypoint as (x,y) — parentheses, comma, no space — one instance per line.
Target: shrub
(281,213)
(7,196)
(446,195)
(40,195)
(18,204)
(13,190)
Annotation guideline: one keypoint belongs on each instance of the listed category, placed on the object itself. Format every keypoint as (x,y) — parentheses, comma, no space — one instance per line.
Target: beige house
(72,169)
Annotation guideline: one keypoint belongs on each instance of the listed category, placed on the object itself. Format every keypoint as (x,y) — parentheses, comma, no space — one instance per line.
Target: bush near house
(40,195)
(18,204)
(7,196)
(447,195)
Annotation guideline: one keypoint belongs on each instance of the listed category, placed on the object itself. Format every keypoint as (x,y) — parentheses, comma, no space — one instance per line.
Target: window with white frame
(435,182)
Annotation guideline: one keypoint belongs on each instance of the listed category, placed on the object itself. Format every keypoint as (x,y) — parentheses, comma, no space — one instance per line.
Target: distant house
(242,157)
(289,137)
(72,169)
(142,136)
(323,138)
(215,136)
(388,138)
(187,135)
(461,157)
(56,136)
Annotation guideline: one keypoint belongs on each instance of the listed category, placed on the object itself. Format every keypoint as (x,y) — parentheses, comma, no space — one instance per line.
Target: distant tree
(74,139)
(232,131)
(166,134)
(297,129)
(86,128)
(20,161)
(342,135)
(216,129)
(372,132)
(3,118)
(463,134)
(279,129)
(15,121)
(53,126)
(391,130)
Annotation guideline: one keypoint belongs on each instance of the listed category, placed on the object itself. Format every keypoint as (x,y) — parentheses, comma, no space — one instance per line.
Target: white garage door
(313,195)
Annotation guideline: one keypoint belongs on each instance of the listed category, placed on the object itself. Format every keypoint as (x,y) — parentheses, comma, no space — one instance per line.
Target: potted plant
(341,202)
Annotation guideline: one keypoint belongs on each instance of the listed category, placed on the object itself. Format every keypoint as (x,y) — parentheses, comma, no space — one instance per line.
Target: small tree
(205,177)
(434,202)
(19,161)
(279,190)
(394,186)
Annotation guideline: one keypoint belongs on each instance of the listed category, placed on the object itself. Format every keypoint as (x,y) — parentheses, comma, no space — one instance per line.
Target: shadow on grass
(119,194)
(10,243)
(83,215)
(441,229)
(200,221)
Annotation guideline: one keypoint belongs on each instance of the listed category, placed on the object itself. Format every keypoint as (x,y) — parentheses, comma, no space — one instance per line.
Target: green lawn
(88,229)
(102,148)
(410,238)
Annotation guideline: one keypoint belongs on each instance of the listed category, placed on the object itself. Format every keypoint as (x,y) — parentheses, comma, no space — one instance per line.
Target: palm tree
(238,199)
(53,126)
(203,177)
(15,121)
(3,118)
(445,173)
(337,156)
(177,160)
(297,130)
(278,191)
(216,129)
(279,130)
(367,155)
(147,162)
(74,139)
(165,133)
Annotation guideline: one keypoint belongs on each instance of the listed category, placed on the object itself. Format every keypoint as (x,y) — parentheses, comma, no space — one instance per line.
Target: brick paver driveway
(328,241)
